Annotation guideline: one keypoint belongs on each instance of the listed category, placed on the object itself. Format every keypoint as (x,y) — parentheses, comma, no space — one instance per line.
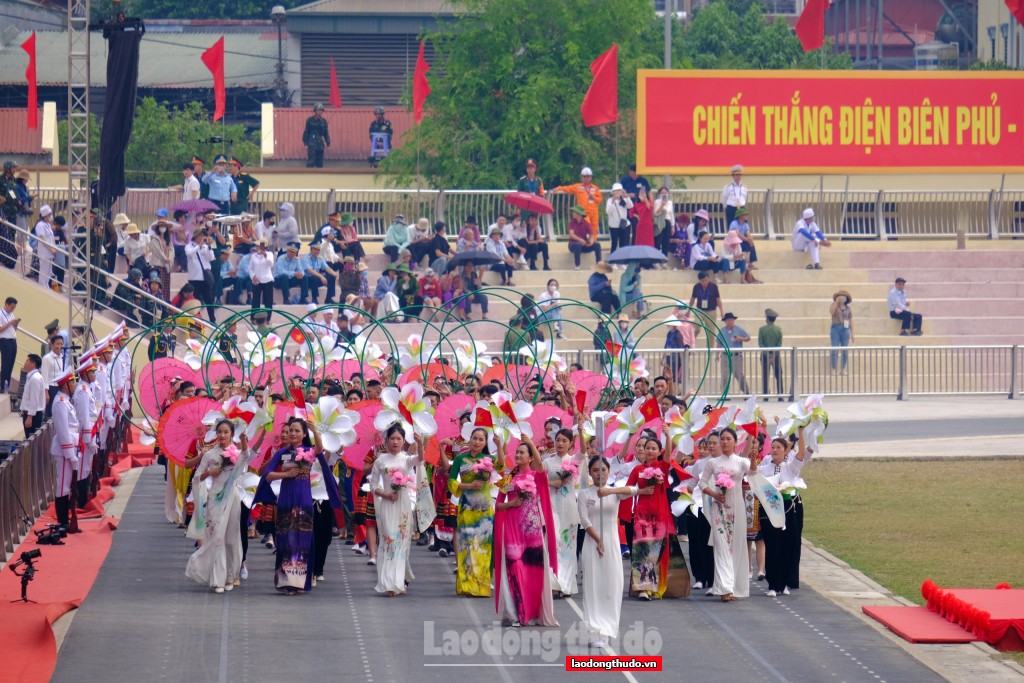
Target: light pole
(278,16)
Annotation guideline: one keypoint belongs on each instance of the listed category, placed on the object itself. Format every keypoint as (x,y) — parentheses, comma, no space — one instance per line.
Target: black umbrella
(639,254)
(477,258)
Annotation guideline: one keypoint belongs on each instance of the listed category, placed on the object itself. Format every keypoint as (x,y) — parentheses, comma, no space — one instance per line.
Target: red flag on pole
(601,103)
(1016,8)
(335,98)
(213,58)
(810,27)
(420,86)
(32,118)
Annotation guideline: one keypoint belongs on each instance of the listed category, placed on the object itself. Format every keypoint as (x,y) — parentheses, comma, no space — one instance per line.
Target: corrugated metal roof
(165,61)
(15,138)
(430,7)
(349,128)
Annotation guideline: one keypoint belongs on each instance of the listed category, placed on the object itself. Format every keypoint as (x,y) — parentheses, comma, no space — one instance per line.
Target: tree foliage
(164,138)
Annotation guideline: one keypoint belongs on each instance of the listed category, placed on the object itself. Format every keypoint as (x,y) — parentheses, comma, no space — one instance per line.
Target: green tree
(507,85)
(164,138)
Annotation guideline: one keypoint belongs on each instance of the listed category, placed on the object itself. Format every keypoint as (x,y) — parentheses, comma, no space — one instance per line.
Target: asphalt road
(144,621)
(853,432)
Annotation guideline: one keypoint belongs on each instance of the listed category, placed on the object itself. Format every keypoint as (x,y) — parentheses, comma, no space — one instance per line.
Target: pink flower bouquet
(230,456)
(305,455)
(570,468)
(652,475)
(723,481)
(484,465)
(525,486)
(400,480)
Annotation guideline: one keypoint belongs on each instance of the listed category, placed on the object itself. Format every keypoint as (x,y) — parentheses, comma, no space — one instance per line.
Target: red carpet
(64,576)
(994,615)
(919,625)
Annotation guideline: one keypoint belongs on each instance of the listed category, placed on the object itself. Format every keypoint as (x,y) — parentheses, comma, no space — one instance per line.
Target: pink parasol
(181,427)
(431,371)
(195,206)
(516,378)
(447,415)
(595,386)
(154,382)
(541,414)
(218,369)
(272,441)
(367,436)
(613,449)
(261,374)
(343,369)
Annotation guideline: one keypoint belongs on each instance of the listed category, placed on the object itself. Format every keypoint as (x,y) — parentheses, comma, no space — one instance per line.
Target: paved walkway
(145,621)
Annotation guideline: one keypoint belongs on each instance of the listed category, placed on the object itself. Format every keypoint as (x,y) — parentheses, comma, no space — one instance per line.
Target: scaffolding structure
(80,303)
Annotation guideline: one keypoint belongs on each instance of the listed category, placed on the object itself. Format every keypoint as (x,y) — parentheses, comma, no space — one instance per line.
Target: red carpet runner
(64,576)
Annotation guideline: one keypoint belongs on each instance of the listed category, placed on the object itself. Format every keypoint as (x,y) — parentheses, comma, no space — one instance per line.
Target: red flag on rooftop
(601,103)
(335,99)
(213,58)
(32,118)
(810,27)
(420,86)
(1016,8)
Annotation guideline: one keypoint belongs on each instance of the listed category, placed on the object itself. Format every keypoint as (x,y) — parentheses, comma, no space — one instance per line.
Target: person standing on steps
(769,336)
(734,195)
(316,137)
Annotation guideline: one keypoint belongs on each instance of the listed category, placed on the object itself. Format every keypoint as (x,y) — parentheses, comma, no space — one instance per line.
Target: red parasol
(261,374)
(367,436)
(541,414)
(432,372)
(154,383)
(181,426)
(195,206)
(529,201)
(516,378)
(272,441)
(342,370)
(447,415)
(595,386)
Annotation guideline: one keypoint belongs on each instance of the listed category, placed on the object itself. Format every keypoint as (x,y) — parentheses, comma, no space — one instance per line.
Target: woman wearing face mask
(563,484)
(394,506)
(161,254)
(698,530)
(548,301)
(215,520)
(524,543)
(782,546)
(652,522)
(475,520)
(727,516)
(602,566)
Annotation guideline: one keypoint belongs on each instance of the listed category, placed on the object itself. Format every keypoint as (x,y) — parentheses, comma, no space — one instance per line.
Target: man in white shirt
(199,256)
(734,195)
(8,342)
(33,398)
(190,188)
(53,366)
(808,237)
(899,309)
(44,238)
(261,268)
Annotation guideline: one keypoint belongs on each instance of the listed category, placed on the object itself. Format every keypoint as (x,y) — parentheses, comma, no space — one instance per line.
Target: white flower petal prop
(200,353)
(543,356)
(335,424)
(261,349)
(409,409)
(808,413)
(636,366)
(262,418)
(469,357)
(368,353)
(417,353)
(629,421)
(147,432)
(510,417)
(589,430)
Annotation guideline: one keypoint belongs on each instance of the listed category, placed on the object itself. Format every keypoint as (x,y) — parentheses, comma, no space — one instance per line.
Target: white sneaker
(244,574)
(229,587)
(785,591)
(771,594)
(698,585)
(320,577)
(597,644)
(218,589)
(359,549)
(373,560)
(710,591)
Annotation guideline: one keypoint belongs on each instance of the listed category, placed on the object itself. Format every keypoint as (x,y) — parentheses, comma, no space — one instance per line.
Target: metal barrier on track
(26,488)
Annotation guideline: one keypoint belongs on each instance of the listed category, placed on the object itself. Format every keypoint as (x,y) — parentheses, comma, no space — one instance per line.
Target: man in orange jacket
(587,195)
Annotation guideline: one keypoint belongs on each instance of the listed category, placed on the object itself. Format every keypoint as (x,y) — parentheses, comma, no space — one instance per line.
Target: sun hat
(121,219)
(602,267)
(742,212)
(579,210)
(702,213)
(729,316)
(617,186)
(843,292)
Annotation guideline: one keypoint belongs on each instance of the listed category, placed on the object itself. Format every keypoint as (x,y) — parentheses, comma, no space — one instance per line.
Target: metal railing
(842,214)
(26,488)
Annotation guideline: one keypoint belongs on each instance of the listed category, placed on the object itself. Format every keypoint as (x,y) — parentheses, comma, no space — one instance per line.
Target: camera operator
(617,209)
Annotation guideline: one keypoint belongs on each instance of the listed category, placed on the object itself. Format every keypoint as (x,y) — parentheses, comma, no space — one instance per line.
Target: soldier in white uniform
(88,416)
(121,381)
(64,447)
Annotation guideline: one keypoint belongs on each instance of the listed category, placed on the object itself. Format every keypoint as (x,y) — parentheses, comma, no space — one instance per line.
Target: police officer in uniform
(316,137)
(64,447)
(383,126)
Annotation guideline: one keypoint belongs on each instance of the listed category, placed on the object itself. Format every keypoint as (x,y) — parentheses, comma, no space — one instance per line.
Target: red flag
(297,336)
(601,103)
(298,397)
(335,98)
(213,58)
(581,400)
(29,46)
(420,86)
(810,27)
(1016,9)
(650,409)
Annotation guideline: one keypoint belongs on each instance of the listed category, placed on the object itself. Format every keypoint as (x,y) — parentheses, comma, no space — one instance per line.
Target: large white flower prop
(238,411)
(629,422)
(260,349)
(409,409)
(809,414)
(590,423)
(335,424)
(482,417)
(200,353)
(469,357)
(510,417)
(147,432)
(623,361)
(542,355)
(417,353)
(365,352)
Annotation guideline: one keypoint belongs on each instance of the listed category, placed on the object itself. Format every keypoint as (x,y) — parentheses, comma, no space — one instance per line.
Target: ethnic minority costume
(782,546)
(525,557)
(652,525)
(474,526)
(447,511)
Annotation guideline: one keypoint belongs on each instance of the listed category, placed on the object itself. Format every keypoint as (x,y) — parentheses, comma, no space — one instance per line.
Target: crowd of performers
(523,517)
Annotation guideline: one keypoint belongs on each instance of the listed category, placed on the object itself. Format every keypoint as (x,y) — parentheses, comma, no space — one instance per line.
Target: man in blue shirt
(288,273)
(741,224)
(899,309)
(600,288)
(243,281)
(316,273)
(223,189)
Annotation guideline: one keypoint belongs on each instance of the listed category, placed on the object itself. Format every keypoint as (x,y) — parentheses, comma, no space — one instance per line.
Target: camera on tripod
(26,574)
(51,535)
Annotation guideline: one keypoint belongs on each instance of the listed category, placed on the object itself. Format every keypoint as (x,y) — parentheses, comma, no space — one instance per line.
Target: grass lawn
(960,524)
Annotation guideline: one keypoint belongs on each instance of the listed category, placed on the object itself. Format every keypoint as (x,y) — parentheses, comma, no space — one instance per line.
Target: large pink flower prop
(409,409)
(336,425)
(260,349)
(417,353)
(200,353)
(543,356)
(469,357)
(510,417)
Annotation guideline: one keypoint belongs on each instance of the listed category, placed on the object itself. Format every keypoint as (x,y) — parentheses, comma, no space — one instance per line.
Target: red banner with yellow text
(703,122)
